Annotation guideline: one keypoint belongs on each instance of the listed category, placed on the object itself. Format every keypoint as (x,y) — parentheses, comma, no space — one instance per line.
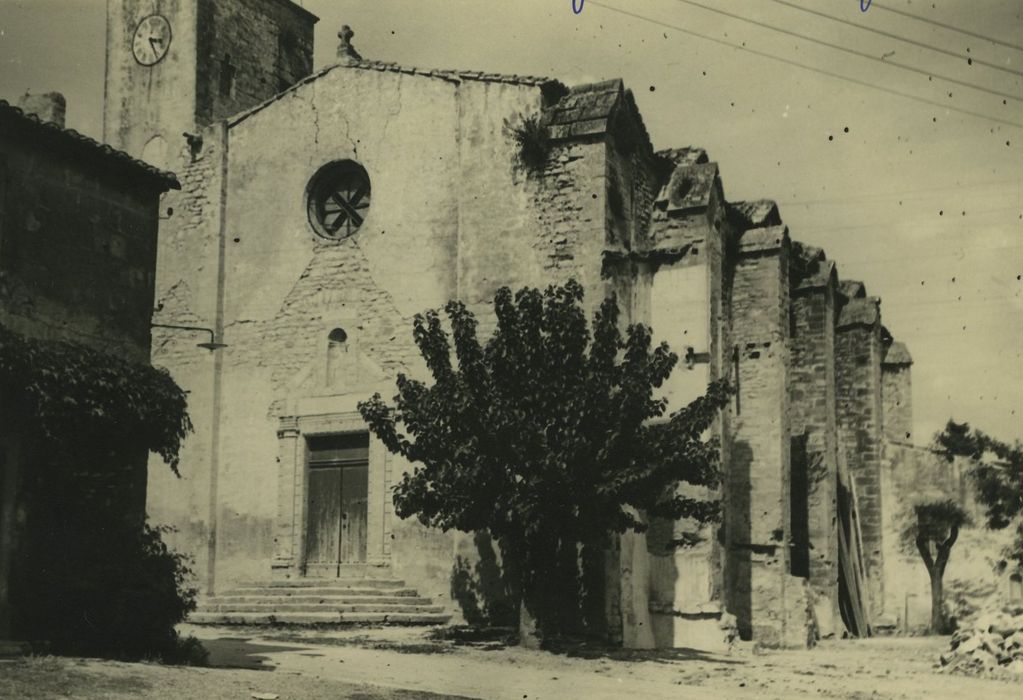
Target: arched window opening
(1016,587)
(337,357)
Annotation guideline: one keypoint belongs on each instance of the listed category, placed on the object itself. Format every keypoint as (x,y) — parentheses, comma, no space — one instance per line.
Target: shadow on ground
(245,653)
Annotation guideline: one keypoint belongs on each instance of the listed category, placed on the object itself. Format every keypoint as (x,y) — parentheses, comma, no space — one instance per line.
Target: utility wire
(900,193)
(796,64)
(804,66)
(950,27)
(853,52)
(881,32)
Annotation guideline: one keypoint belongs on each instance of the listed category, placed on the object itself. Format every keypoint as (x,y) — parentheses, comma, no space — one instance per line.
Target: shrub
(108,589)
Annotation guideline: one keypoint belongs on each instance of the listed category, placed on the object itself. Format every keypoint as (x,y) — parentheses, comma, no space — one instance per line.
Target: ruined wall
(858,351)
(814,435)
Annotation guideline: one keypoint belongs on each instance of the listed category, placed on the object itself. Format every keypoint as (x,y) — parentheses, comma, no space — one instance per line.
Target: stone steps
(343,582)
(342,607)
(320,618)
(376,600)
(319,591)
(331,599)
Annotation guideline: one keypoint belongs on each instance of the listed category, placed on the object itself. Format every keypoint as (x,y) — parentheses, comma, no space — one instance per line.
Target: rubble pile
(991,642)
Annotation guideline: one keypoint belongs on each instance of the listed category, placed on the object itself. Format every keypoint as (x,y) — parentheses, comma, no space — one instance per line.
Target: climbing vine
(68,390)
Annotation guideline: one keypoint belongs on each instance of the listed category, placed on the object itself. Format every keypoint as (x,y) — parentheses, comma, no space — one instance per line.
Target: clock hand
(153,41)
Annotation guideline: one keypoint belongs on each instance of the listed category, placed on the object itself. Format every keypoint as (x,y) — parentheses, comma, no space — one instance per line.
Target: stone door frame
(293,491)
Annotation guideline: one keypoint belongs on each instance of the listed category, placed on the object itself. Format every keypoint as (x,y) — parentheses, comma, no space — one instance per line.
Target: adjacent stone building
(78,228)
(320,211)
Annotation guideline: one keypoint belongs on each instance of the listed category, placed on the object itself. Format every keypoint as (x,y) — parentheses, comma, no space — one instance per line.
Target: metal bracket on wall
(693,358)
(211,346)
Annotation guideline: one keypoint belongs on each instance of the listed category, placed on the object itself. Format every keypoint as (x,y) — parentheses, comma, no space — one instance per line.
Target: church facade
(319,211)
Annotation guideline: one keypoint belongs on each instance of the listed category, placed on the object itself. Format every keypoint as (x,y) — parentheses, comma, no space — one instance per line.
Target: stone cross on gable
(345,51)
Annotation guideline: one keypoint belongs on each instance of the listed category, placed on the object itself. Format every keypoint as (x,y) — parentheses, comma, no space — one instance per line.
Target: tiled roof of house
(73,142)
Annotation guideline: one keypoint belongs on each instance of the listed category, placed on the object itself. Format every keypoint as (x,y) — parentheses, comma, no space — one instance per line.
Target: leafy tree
(90,576)
(547,437)
(999,482)
(958,439)
(933,528)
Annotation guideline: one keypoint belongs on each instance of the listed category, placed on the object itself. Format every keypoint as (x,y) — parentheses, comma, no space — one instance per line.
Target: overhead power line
(845,49)
(949,27)
(902,194)
(897,37)
(797,64)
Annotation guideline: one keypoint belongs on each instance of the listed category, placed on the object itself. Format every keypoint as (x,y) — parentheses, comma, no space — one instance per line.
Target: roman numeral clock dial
(152,40)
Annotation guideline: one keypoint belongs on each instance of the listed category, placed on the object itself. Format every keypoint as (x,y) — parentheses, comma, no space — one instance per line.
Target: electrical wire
(804,66)
(853,52)
(949,27)
(881,32)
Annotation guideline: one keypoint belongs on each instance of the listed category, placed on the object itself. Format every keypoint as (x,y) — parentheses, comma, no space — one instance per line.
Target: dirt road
(408,658)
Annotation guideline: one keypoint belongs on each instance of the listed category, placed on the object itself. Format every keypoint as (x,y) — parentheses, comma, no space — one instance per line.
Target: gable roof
(689,187)
(590,109)
(762,240)
(71,142)
(853,289)
(897,354)
(860,311)
(757,213)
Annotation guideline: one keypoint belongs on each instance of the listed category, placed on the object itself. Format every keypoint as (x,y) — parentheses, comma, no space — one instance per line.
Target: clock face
(152,40)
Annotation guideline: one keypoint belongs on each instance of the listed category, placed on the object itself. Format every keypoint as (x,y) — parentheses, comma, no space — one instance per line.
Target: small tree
(999,482)
(546,437)
(933,527)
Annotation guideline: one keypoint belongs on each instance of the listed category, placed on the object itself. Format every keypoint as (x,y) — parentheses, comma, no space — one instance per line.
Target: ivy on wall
(68,390)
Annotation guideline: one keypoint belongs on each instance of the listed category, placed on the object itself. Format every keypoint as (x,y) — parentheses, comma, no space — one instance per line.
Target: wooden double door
(336,512)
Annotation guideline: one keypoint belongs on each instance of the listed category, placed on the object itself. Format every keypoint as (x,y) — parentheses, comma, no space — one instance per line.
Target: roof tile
(74,140)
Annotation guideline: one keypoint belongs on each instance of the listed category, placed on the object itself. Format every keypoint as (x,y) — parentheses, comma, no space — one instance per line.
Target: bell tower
(175,66)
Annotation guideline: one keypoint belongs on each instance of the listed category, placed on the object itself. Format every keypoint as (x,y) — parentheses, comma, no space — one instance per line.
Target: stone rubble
(991,642)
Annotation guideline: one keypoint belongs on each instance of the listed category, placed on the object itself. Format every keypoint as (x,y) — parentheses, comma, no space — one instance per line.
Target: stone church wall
(814,437)
(858,409)
(284,289)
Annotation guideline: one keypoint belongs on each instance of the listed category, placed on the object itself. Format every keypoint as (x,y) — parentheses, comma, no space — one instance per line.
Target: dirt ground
(409,663)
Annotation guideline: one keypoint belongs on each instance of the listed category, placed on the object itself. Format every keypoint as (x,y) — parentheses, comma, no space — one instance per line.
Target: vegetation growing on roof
(530,134)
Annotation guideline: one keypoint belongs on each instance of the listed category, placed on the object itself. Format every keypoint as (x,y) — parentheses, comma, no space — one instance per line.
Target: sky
(879,164)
